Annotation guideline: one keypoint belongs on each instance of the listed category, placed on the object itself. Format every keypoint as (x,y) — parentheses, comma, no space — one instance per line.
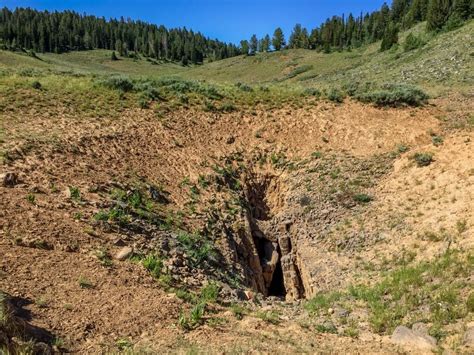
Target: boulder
(124,253)
(9,179)
(413,339)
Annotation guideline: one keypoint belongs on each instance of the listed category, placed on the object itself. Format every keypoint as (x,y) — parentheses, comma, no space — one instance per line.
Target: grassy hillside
(85,62)
(445,60)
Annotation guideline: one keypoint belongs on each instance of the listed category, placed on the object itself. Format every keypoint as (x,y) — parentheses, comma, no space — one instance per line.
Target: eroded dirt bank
(292,200)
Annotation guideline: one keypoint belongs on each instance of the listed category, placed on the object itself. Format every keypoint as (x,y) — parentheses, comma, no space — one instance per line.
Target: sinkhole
(270,261)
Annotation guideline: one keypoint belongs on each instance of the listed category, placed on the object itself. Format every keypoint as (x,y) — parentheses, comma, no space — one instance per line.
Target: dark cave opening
(268,252)
(265,249)
(277,286)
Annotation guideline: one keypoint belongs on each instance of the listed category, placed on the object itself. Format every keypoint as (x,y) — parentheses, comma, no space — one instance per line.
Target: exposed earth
(47,248)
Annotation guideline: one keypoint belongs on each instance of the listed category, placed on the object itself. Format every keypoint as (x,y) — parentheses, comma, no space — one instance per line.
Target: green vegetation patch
(394,95)
(403,295)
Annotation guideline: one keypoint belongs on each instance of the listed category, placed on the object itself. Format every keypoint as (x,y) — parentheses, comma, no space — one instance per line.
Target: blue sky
(227,20)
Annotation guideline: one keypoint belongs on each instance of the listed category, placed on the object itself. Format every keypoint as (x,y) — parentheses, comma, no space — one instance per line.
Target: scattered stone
(124,253)
(230,140)
(9,179)
(413,338)
(342,313)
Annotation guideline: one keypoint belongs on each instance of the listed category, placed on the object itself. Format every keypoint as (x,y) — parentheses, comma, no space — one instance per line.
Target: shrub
(437,140)
(118,83)
(227,107)
(335,95)
(210,292)
(413,42)
(85,283)
(75,193)
(36,85)
(244,87)
(312,92)
(362,198)
(327,327)
(299,70)
(143,102)
(194,319)
(198,248)
(31,198)
(423,159)
(238,311)
(394,95)
(153,264)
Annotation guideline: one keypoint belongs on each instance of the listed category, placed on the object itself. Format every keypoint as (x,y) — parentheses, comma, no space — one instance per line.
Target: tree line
(345,32)
(59,32)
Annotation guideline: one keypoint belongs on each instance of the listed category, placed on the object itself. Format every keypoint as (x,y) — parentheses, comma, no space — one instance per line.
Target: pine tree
(253,44)
(399,9)
(278,40)
(418,11)
(266,43)
(463,9)
(314,39)
(437,15)
(390,37)
(299,37)
(244,47)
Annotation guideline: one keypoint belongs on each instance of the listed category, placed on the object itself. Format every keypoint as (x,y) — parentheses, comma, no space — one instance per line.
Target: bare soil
(48,245)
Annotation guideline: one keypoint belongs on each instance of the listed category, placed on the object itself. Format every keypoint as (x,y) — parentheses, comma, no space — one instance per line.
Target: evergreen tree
(266,43)
(418,11)
(299,37)
(260,45)
(399,9)
(278,40)
(438,14)
(314,39)
(463,9)
(244,47)
(253,44)
(390,37)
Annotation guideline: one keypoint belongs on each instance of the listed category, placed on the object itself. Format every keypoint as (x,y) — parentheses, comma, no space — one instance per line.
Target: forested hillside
(59,32)
(345,32)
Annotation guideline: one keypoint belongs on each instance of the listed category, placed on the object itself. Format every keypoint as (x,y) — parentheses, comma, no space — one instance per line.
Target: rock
(413,339)
(468,339)
(230,140)
(124,253)
(342,313)
(9,179)
(285,244)
(420,329)
(249,295)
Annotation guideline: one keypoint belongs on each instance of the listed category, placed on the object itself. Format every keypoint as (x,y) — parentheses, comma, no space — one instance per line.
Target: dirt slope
(49,246)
